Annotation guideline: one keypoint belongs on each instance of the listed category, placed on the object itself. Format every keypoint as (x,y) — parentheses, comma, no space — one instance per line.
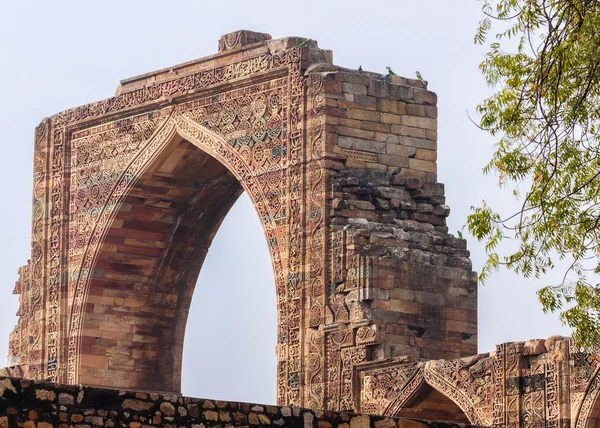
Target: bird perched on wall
(390,71)
(419,76)
(360,68)
(304,43)
(396,171)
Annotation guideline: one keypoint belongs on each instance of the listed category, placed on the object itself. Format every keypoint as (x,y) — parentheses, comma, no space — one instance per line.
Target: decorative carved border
(410,387)
(198,80)
(316,251)
(591,396)
(473,413)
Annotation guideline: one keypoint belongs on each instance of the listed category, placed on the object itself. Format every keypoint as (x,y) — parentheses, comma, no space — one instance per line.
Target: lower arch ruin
(376,301)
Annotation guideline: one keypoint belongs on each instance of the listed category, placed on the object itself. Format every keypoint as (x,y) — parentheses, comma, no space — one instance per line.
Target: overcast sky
(60,54)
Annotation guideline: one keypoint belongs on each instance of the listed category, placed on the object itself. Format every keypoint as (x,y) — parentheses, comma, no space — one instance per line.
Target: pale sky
(60,54)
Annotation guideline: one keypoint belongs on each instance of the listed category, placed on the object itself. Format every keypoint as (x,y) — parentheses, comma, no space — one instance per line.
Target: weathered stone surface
(128,409)
(341,166)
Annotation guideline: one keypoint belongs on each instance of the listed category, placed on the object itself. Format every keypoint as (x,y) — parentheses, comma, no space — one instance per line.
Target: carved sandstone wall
(536,383)
(340,165)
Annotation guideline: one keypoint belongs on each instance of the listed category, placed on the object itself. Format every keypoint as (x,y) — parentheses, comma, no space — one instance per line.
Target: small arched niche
(430,404)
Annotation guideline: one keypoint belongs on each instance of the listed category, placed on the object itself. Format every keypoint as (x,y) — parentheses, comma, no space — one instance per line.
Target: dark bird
(360,68)
(396,171)
(369,185)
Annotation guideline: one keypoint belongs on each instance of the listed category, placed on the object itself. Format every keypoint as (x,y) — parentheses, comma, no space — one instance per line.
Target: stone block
(392,119)
(376,127)
(354,88)
(386,105)
(381,88)
(400,150)
(362,114)
(392,160)
(363,421)
(431,111)
(374,165)
(424,97)
(404,306)
(419,122)
(427,155)
(365,101)
(360,144)
(418,143)
(415,110)
(408,131)
(355,78)
(431,134)
(361,205)
(354,132)
(402,294)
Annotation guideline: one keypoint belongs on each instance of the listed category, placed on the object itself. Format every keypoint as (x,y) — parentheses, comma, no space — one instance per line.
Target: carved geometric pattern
(467,382)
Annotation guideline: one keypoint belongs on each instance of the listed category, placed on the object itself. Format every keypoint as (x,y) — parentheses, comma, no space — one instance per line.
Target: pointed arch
(587,415)
(427,395)
(172,127)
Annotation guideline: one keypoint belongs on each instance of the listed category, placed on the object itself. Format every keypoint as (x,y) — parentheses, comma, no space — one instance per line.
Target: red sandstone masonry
(130,191)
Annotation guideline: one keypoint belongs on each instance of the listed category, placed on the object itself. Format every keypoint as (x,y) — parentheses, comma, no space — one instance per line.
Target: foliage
(544,63)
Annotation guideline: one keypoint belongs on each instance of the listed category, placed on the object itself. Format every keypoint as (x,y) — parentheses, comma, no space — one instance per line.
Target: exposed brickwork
(46,405)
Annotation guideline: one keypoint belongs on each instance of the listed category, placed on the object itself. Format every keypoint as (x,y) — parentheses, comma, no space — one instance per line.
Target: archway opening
(428,403)
(146,270)
(229,350)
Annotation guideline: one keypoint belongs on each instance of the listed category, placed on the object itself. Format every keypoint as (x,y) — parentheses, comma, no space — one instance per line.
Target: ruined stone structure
(47,405)
(376,302)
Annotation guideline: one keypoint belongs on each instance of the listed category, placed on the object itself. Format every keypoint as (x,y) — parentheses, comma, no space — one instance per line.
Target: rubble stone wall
(32,404)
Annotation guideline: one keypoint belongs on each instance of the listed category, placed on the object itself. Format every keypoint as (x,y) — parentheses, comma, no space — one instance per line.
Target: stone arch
(426,395)
(588,413)
(169,136)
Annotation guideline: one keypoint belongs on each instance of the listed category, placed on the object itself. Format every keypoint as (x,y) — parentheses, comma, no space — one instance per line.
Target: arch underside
(146,268)
(425,394)
(429,403)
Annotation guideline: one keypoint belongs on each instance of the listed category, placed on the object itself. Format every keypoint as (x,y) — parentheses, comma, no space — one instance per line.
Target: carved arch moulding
(340,166)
